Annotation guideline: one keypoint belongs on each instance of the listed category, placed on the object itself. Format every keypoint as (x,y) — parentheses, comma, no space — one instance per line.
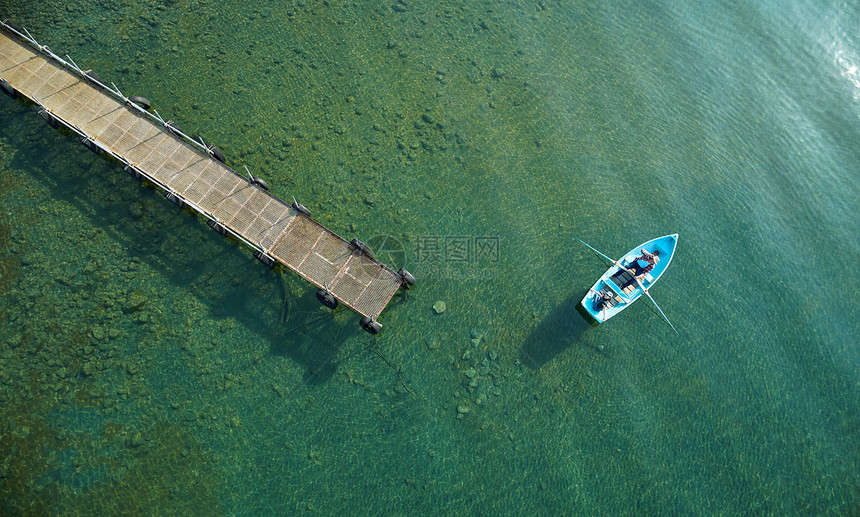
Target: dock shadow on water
(218,272)
(312,335)
(558,331)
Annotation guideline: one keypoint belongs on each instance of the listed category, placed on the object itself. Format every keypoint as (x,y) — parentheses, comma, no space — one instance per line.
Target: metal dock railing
(192,173)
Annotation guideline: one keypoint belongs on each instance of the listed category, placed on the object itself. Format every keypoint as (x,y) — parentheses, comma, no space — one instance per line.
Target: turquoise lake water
(149,367)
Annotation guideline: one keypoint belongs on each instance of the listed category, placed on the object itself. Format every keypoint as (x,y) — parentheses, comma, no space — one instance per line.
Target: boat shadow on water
(559,330)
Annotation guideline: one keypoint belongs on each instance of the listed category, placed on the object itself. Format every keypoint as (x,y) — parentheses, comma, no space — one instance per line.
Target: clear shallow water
(518,124)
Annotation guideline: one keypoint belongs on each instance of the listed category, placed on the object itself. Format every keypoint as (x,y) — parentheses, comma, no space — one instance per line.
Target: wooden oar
(655,304)
(602,255)
(594,250)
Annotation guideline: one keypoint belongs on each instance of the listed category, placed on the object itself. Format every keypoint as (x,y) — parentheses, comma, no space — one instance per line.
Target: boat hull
(600,310)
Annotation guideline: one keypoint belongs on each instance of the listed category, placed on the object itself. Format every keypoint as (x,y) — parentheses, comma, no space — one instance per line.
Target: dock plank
(263,221)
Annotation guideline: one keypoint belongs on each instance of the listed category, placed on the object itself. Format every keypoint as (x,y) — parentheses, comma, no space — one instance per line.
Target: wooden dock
(190,174)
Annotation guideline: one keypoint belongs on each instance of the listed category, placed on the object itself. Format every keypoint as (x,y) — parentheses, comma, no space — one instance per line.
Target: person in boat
(636,268)
(601,299)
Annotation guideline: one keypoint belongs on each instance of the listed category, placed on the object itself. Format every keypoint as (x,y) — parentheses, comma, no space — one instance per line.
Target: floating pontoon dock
(192,173)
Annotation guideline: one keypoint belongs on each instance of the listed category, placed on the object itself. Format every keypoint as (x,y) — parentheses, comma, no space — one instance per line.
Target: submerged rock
(88,369)
(98,333)
(134,302)
(136,440)
(439,307)
(90,268)
(136,210)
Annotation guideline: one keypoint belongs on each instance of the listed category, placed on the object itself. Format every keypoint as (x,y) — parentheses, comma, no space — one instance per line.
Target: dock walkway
(190,174)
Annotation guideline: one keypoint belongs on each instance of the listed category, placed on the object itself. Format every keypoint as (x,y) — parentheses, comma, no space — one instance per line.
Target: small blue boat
(606,298)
